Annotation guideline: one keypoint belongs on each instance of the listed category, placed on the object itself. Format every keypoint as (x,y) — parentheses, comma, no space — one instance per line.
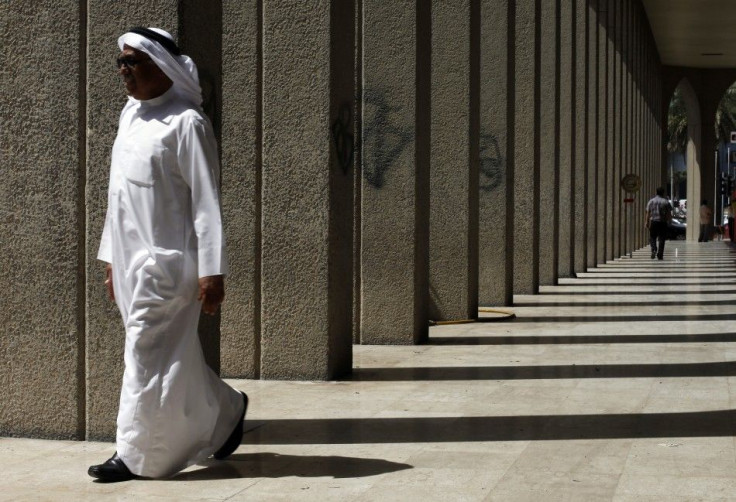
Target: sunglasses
(129,62)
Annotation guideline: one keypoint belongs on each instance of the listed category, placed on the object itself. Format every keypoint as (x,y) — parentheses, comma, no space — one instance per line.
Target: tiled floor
(617,385)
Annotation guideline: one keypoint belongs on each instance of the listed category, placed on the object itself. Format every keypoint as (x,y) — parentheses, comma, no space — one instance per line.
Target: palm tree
(726,116)
(677,124)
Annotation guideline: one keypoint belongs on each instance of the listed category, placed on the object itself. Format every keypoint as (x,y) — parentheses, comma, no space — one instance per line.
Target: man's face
(142,78)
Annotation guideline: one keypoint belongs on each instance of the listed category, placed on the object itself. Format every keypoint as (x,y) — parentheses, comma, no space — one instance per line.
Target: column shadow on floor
(642,293)
(505,428)
(571,371)
(644,303)
(616,282)
(276,465)
(582,339)
(624,318)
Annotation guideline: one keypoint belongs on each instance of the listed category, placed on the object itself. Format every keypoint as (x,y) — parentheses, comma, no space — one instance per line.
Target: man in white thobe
(163,242)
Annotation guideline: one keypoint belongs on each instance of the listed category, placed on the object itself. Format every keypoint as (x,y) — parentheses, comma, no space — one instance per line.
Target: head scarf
(180,69)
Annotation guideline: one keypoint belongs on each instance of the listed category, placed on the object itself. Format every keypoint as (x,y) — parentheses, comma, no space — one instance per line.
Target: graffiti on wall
(384,140)
(492,163)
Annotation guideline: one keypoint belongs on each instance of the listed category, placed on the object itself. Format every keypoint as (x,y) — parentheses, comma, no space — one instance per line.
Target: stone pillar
(611,139)
(105,99)
(525,155)
(200,33)
(626,207)
(241,186)
(453,269)
(592,135)
(395,167)
(495,187)
(602,184)
(580,208)
(42,386)
(568,117)
(307,189)
(617,139)
(549,114)
(639,128)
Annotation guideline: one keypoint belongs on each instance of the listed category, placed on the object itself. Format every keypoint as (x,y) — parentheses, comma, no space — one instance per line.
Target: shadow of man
(275,465)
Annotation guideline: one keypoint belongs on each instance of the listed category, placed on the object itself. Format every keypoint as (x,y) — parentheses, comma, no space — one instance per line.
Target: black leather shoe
(236,436)
(111,471)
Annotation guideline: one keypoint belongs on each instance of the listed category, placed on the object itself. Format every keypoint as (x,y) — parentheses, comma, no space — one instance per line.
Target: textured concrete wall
(200,37)
(453,244)
(307,200)
(105,99)
(610,138)
(42,219)
(241,186)
(395,174)
(579,211)
(549,112)
(592,135)
(617,140)
(526,147)
(495,278)
(626,208)
(602,68)
(568,119)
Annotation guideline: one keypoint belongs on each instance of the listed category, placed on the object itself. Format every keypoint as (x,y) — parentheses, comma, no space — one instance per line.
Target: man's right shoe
(653,254)
(236,435)
(112,471)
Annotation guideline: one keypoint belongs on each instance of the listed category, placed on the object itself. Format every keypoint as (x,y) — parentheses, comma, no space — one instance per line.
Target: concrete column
(580,206)
(307,189)
(495,278)
(42,386)
(611,139)
(105,99)
(602,199)
(549,112)
(618,139)
(568,117)
(200,32)
(241,186)
(395,167)
(526,146)
(626,163)
(639,127)
(592,135)
(453,272)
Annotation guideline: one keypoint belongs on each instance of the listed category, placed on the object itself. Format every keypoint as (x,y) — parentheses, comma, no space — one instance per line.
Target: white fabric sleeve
(200,168)
(105,251)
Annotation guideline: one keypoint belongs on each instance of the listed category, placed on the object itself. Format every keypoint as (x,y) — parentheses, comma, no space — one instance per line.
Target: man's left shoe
(112,471)
(660,257)
(236,436)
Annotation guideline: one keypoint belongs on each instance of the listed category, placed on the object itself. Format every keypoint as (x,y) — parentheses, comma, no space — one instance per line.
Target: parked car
(676,229)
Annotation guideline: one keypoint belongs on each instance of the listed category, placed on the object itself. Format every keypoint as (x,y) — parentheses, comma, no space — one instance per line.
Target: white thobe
(163,230)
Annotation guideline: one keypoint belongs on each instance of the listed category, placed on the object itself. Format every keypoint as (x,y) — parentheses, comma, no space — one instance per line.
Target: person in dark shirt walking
(658,216)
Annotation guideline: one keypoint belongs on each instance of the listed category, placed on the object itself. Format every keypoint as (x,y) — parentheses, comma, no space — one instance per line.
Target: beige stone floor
(617,385)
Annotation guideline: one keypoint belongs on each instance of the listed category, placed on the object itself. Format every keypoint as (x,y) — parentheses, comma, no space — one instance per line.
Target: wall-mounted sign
(631,183)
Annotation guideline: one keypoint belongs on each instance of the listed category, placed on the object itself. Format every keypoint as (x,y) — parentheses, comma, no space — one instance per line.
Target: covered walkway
(616,385)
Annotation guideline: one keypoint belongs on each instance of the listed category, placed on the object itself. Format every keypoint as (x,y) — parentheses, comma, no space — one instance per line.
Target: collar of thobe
(158,100)
(180,69)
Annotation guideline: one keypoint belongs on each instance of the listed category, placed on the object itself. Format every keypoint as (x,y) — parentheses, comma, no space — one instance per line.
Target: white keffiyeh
(180,69)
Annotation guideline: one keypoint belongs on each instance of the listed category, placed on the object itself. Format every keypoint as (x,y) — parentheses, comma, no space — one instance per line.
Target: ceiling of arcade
(694,33)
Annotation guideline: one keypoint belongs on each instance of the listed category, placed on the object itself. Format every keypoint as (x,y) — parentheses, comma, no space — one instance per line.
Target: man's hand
(211,293)
(108,282)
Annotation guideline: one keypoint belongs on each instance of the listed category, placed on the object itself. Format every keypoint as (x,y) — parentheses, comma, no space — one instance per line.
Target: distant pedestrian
(706,216)
(658,216)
